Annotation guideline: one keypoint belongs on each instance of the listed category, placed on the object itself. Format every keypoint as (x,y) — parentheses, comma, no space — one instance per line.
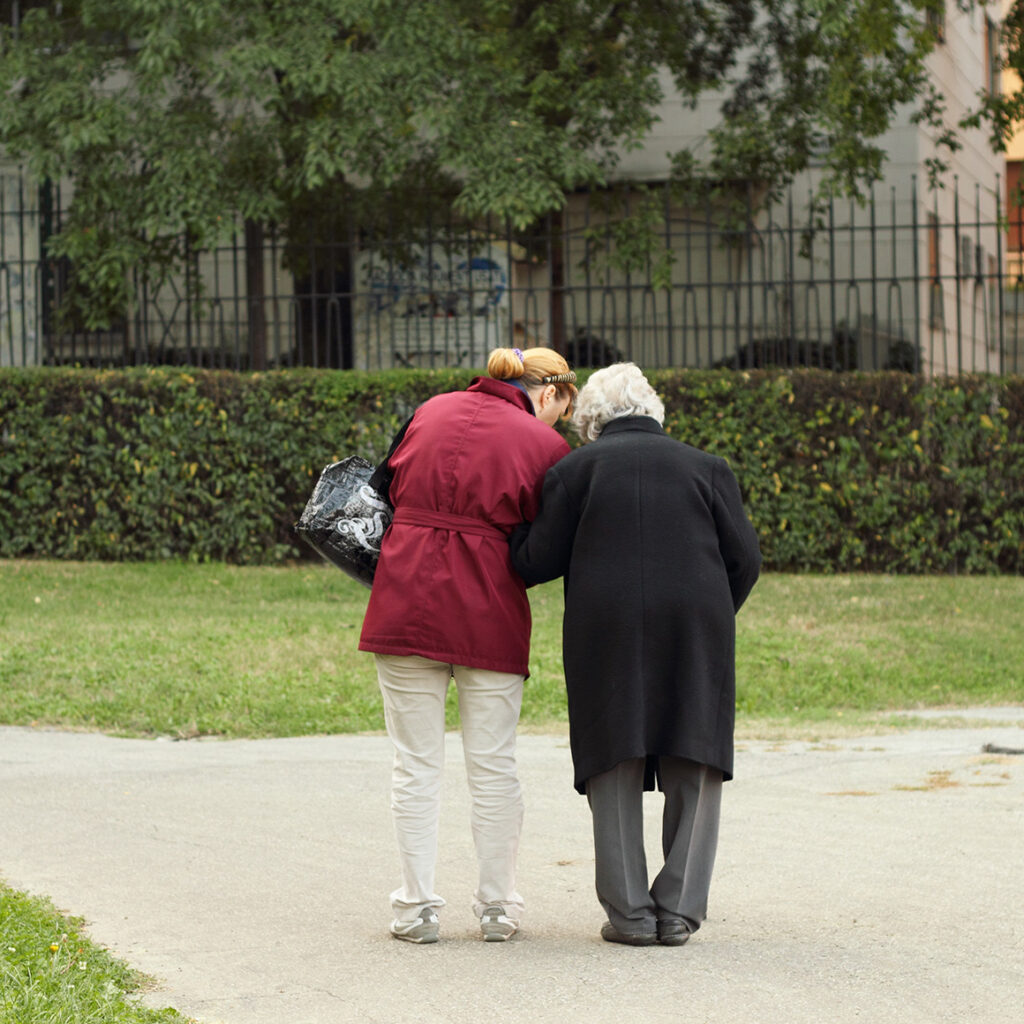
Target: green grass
(811,648)
(51,974)
(186,650)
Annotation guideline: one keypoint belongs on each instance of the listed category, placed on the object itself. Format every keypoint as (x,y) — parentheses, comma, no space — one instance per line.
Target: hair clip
(559,378)
(519,353)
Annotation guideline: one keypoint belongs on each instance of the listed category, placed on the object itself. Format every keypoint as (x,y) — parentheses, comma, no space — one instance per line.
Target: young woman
(446,603)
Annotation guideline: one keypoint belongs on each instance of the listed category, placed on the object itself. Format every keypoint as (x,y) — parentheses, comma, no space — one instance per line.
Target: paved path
(864,880)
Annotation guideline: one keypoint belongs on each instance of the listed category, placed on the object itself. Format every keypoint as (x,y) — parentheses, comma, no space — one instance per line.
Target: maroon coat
(469,470)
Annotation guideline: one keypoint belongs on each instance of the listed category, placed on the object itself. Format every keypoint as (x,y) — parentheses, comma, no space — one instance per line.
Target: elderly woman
(658,555)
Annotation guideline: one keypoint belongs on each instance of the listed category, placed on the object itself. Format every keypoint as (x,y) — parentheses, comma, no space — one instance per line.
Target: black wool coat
(658,555)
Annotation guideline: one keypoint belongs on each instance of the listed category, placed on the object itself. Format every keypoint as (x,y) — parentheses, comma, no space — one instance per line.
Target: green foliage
(173,118)
(146,463)
(825,79)
(881,472)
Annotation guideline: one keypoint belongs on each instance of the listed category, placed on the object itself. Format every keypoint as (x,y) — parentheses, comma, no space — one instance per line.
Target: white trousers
(414,691)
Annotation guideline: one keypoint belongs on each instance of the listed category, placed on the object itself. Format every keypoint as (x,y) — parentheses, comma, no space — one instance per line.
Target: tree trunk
(255,287)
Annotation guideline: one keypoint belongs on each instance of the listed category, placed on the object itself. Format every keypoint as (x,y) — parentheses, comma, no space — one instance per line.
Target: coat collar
(503,389)
(645,423)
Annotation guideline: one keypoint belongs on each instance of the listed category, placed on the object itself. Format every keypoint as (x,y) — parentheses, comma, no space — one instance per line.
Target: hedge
(841,472)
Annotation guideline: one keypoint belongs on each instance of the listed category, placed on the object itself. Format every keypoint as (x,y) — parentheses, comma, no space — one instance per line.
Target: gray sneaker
(495,925)
(424,929)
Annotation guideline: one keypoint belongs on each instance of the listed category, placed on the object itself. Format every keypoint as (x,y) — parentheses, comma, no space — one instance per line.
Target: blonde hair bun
(533,367)
(505,364)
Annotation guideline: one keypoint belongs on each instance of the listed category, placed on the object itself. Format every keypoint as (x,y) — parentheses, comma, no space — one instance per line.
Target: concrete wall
(19,269)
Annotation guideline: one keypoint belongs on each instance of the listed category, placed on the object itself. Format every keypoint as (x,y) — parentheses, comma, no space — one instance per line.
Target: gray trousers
(689,839)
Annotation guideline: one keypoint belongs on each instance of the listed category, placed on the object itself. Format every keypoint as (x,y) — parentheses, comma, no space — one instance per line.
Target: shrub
(884,472)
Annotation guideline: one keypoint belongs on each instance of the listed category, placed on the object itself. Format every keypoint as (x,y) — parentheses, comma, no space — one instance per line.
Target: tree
(171,117)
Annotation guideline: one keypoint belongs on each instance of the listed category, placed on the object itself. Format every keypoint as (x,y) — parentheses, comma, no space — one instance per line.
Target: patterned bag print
(345,518)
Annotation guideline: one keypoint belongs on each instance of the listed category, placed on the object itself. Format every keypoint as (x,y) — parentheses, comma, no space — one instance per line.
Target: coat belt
(407,515)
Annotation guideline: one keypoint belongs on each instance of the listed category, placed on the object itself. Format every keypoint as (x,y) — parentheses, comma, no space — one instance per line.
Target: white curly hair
(616,391)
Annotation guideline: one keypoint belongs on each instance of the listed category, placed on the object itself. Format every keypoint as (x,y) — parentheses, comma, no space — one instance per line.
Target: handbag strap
(380,481)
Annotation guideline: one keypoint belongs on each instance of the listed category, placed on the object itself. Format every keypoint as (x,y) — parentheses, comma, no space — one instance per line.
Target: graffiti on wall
(19,260)
(430,308)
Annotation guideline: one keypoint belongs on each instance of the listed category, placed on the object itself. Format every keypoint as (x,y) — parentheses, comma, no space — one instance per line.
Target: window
(935,19)
(992,81)
(1014,212)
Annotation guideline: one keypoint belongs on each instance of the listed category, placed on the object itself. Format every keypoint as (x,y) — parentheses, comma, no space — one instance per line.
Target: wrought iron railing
(910,280)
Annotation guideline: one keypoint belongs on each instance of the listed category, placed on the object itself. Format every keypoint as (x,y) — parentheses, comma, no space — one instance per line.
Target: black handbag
(346,517)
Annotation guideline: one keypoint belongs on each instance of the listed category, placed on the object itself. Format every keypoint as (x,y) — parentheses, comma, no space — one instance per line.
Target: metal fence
(912,280)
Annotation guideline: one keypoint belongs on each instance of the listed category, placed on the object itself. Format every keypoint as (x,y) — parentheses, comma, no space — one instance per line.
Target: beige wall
(19,268)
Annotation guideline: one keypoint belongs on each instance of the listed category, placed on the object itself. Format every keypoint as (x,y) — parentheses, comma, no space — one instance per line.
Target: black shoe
(612,934)
(672,933)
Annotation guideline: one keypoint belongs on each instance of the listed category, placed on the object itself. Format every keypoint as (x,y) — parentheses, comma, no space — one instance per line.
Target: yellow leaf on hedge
(986,421)
(825,487)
